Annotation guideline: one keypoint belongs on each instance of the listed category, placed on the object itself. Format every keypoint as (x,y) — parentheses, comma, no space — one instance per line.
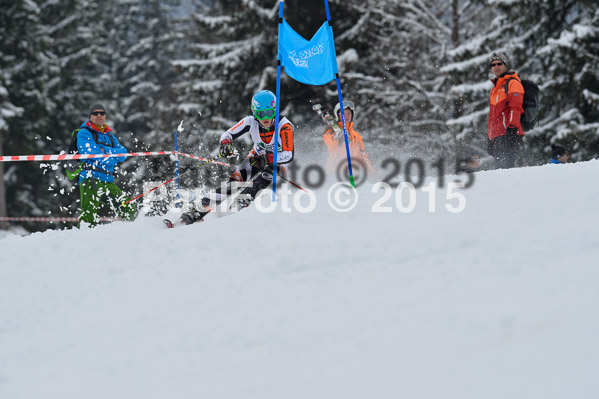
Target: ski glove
(261,161)
(270,158)
(512,138)
(226,149)
(258,162)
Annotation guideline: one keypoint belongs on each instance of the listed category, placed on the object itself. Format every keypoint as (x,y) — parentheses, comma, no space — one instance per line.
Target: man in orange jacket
(505,131)
(334,140)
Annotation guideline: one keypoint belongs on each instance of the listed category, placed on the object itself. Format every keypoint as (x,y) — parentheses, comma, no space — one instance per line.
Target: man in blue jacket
(96,180)
(559,154)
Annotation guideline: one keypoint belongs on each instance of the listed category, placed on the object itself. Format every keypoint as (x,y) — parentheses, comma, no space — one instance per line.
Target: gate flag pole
(341,109)
(178,203)
(276,150)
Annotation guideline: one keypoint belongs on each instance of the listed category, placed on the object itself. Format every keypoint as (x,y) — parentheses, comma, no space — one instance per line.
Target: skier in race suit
(257,167)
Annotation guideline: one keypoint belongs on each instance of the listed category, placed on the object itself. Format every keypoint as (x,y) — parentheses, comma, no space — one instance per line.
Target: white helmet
(346,105)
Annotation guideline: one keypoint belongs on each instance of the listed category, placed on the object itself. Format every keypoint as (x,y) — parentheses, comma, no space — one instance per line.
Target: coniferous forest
(417,70)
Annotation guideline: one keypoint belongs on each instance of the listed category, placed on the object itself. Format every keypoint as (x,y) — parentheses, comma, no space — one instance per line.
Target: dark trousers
(505,149)
(259,178)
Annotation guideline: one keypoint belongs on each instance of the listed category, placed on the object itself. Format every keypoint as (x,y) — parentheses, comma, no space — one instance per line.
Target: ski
(237,203)
(328,120)
(326,117)
(172,225)
(168,223)
(181,222)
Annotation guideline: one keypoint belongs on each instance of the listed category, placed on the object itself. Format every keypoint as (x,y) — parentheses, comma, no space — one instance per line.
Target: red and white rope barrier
(49,219)
(68,157)
(204,159)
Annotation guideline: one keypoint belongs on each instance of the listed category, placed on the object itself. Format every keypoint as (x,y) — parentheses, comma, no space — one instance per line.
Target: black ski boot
(193,216)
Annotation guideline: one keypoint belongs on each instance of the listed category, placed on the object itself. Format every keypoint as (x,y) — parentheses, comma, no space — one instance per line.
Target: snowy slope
(497,301)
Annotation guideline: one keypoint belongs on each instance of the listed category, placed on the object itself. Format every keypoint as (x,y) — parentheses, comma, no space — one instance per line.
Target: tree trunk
(458,102)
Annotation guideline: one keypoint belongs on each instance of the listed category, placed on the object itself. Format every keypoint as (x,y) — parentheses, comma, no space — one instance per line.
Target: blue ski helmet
(263,105)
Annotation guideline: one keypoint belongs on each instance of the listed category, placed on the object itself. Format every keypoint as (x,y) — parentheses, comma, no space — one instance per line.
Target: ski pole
(149,191)
(168,181)
(290,182)
(178,204)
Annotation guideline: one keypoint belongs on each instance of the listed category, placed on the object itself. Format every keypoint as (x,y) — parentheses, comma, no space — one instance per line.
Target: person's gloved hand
(512,138)
(511,130)
(270,158)
(258,161)
(226,149)
(262,161)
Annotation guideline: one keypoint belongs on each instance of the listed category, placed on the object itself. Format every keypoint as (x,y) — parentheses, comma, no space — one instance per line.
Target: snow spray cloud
(340,197)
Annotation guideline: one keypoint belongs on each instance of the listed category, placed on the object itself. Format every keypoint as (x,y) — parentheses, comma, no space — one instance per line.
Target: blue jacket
(98,168)
(552,160)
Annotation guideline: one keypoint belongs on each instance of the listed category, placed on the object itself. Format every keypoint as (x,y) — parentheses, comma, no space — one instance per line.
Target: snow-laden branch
(469,118)
(471,88)
(224,58)
(466,65)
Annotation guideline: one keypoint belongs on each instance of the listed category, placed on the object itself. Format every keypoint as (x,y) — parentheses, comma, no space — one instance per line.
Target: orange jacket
(337,153)
(505,109)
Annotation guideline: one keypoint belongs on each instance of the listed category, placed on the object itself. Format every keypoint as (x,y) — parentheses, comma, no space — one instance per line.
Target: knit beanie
(499,57)
(558,151)
(95,107)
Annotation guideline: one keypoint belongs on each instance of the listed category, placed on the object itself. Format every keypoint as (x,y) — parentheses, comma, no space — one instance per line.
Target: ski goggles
(348,104)
(265,114)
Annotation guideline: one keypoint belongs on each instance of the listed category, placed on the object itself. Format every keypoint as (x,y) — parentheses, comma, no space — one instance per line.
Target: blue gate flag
(311,62)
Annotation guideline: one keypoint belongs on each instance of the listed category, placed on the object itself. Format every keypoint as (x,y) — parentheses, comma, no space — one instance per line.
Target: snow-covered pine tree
(560,52)
(118,53)
(394,51)
(80,63)
(231,54)
(553,43)
(467,75)
(145,38)
(230,47)
(8,110)
(81,33)
(24,112)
